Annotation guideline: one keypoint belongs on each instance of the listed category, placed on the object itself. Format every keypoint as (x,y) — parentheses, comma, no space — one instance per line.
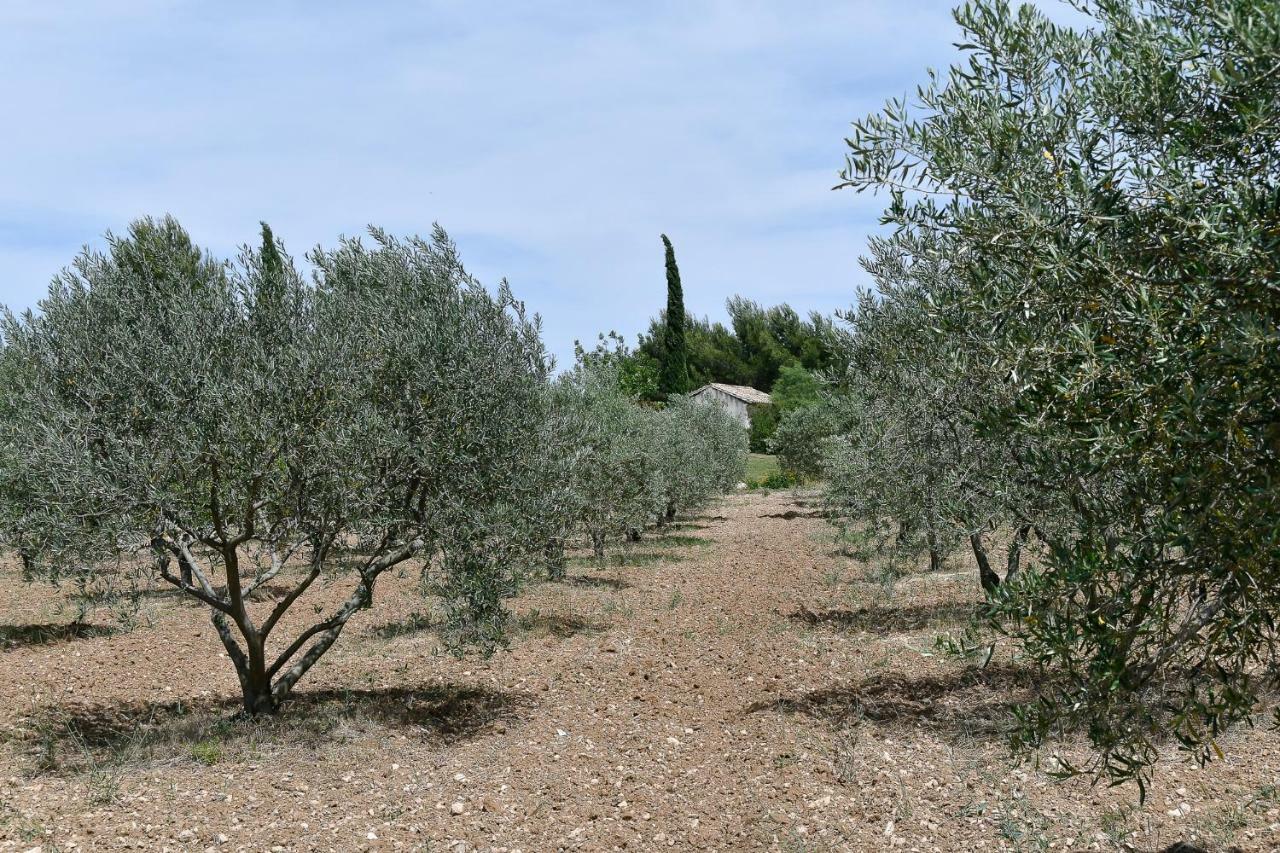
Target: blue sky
(554,141)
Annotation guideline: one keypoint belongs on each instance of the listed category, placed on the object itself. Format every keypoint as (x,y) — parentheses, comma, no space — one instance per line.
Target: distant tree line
(752,350)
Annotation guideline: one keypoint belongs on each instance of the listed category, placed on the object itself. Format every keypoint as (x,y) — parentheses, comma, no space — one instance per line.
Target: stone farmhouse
(737,400)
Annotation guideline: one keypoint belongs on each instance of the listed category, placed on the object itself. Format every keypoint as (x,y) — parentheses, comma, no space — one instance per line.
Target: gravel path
(753,690)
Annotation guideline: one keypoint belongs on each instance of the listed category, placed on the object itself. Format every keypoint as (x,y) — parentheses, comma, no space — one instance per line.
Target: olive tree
(705,454)
(228,423)
(1110,195)
(906,463)
(621,465)
(800,441)
(616,483)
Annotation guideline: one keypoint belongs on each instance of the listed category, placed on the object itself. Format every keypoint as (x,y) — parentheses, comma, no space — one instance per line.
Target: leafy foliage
(763,424)
(753,351)
(165,408)
(799,441)
(796,388)
(1085,273)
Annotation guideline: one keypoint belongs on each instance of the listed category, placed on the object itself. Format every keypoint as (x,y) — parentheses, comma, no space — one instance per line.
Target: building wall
(729,403)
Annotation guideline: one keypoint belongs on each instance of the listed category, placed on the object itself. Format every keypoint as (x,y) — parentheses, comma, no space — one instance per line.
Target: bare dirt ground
(755,690)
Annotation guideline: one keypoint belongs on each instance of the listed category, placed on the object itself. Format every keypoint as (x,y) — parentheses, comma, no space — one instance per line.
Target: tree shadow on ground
(879,618)
(271,592)
(684,525)
(414,623)
(72,739)
(595,582)
(21,636)
(535,623)
(625,558)
(794,514)
(975,701)
(677,540)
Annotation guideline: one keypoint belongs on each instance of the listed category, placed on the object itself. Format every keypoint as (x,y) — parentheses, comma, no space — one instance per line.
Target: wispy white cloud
(554,140)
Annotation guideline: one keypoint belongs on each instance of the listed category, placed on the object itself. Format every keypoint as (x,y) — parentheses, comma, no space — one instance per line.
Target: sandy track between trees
(756,690)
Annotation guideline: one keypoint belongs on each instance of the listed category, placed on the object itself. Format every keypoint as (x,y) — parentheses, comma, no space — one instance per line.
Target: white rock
(457,807)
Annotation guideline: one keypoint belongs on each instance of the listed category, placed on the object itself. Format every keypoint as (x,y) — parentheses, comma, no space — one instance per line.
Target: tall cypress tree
(267,311)
(675,363)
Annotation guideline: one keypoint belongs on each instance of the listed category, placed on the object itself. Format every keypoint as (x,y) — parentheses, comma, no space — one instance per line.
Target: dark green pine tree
(674,378)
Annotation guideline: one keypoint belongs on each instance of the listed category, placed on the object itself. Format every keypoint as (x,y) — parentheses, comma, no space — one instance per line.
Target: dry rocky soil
(740,686)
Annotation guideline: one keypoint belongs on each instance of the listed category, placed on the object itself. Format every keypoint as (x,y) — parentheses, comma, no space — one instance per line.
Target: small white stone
(457,807)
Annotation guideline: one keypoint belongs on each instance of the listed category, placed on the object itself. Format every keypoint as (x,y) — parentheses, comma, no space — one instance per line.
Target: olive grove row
(219,426)
(1073,344)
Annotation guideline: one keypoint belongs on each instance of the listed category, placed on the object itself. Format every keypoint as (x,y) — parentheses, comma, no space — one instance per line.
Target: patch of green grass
(415,623)
(1115,824)
(760,466)
(763,472)
(535,623)
(624,558)
(207,752)
(678,540)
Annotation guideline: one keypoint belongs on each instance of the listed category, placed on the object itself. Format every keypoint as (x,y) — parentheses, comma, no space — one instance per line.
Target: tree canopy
(1083,281)
(167,409)
(752,350)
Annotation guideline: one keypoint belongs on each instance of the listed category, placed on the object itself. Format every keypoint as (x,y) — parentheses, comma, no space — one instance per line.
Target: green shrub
(764,421)
(800,440)
(775,480)
(207,752)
